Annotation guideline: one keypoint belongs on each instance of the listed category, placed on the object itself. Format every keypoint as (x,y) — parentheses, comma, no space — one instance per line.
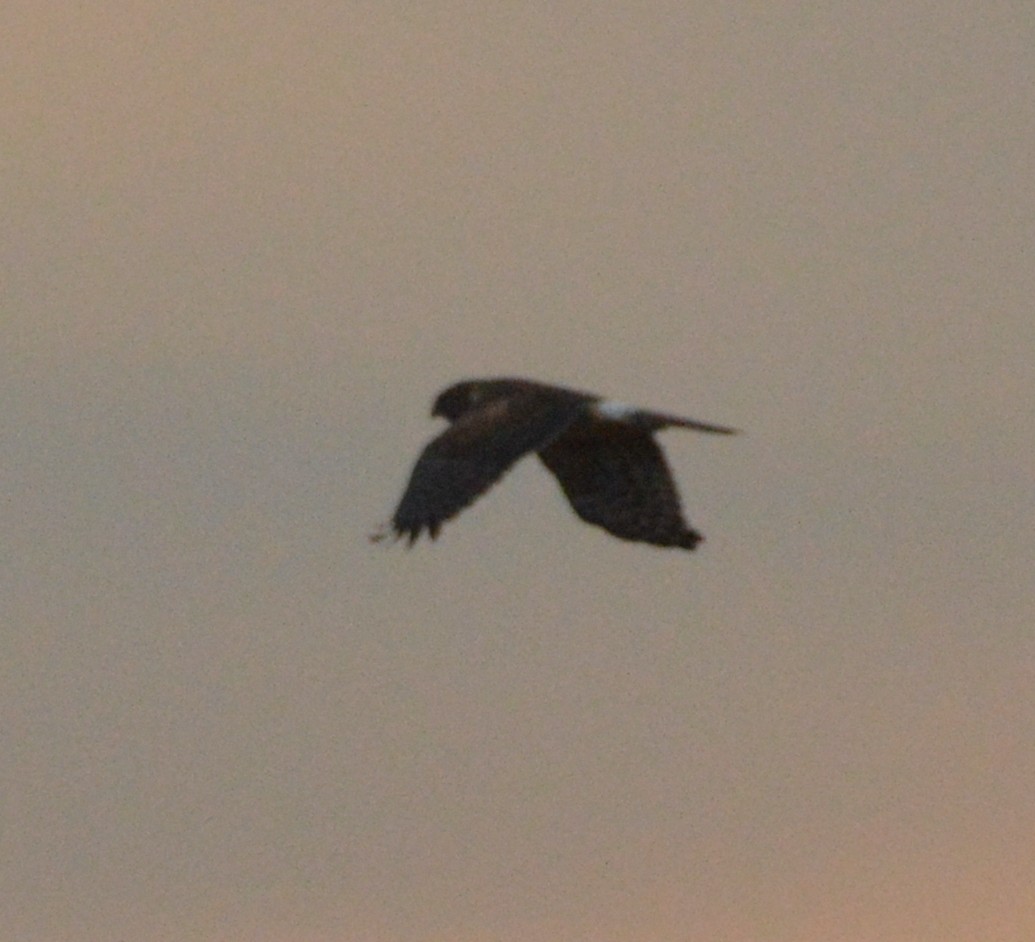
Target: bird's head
(461,398)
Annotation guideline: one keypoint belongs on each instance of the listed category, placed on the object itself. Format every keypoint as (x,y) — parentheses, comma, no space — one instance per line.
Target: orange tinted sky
(245,246)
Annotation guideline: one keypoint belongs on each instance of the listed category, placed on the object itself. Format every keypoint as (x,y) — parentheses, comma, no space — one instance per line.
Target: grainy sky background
(245,244)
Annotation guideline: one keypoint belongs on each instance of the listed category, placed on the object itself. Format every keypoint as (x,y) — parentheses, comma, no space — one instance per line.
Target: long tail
(613,410)
(697,425)
(665,421)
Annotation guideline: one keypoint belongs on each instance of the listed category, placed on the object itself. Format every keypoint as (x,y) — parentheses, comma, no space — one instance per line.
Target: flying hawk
(602,452)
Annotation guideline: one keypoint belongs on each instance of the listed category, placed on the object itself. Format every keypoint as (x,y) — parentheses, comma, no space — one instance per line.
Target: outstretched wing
(615,476)
(472,454)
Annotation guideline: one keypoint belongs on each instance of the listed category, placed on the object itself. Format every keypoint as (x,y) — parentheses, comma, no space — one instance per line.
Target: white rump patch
(616,411)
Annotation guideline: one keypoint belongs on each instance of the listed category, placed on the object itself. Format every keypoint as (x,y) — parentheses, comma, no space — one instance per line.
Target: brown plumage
(603,453)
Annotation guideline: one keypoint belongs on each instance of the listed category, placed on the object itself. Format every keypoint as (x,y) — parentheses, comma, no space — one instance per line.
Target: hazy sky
(246,243)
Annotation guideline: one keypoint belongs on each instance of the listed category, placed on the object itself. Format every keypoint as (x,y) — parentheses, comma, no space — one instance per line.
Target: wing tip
(383,533)
(690,540)
(391,532)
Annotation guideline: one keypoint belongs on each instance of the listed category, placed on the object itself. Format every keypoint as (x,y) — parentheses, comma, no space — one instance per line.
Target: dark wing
(472,454)
(616,477)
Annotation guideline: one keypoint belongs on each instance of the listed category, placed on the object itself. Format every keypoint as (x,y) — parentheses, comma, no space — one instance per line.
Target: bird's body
(601,451)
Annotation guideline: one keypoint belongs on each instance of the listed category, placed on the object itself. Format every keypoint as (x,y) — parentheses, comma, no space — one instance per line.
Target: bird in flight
(602,452)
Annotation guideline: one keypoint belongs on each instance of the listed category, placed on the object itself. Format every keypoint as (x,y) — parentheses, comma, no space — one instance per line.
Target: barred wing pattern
(601,451)
(615,476)
(469,457)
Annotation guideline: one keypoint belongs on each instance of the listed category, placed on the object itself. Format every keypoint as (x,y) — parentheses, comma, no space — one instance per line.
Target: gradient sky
(246,243)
